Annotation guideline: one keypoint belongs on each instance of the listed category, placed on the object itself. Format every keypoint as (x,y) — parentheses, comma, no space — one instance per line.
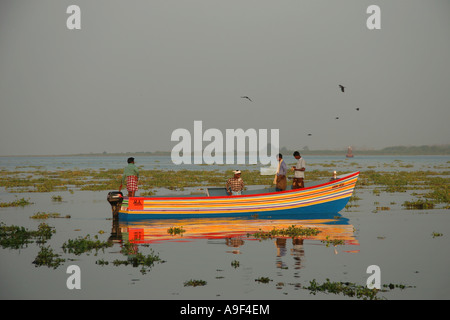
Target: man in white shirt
(299,172)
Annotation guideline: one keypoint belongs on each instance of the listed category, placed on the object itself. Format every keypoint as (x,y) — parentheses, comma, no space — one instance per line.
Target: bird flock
(341,87)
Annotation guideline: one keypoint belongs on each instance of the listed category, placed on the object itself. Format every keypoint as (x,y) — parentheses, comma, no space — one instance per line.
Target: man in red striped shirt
(235,185)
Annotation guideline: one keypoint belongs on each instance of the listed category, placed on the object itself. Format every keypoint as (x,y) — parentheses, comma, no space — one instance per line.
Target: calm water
(164,162)
(399,241)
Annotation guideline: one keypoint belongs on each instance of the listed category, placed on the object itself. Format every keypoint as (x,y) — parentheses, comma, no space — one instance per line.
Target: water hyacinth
(291,231)
(86,244)
(16,237)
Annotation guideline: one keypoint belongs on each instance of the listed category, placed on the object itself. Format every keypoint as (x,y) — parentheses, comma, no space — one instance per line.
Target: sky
(138,70)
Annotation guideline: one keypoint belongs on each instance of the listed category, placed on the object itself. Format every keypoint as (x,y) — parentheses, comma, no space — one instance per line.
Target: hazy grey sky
(139,69)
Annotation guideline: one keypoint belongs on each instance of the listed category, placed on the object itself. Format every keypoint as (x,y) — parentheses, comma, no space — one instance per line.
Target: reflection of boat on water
(328,196)
(233,230)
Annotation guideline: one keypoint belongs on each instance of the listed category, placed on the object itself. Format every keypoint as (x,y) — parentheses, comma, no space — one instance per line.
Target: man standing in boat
(235,185)
(130,177)
(280,178)
(299,171)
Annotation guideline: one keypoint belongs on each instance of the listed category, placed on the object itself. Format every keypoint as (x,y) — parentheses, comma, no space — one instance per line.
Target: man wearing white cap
(235,185)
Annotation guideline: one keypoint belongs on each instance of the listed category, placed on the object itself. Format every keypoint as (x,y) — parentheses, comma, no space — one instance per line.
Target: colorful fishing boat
(329,196)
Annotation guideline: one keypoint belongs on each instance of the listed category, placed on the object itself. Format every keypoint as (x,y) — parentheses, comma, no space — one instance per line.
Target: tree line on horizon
(394,150)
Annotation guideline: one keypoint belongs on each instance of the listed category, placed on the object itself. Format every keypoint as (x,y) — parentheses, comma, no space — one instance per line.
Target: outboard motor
(115,199)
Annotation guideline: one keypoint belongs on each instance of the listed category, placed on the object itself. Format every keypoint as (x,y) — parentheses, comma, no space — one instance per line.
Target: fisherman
(235,185)
(299,172)
(334,177)
(280,178)
(130,177)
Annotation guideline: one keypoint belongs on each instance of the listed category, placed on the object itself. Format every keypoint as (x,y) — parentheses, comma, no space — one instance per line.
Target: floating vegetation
(139,259)
(57,198)
(292,231)
(440,194)
(86,244)
(46,257)
(263,280)
(47,215)
(102,262)
(175,230)
(235,264)
(334,242)
(354,198)
(393,286)
(437,234)
(436,183)
(351,205)
(16,237)
(134,258)
(129,248)
(351,289)
(344,288)
(419,204)
(98,180)
(409,180)
(17,203)
(195,283)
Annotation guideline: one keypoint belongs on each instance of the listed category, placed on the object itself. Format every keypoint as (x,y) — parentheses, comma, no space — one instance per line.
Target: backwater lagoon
(54,214)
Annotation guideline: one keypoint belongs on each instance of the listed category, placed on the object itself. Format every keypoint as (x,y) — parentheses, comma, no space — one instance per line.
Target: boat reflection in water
(237,231)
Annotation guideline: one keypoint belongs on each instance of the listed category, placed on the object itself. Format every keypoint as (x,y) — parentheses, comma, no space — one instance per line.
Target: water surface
(399,241)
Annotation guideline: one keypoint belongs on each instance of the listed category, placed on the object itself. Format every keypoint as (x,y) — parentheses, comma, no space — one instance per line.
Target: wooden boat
(349,153)
(328,196)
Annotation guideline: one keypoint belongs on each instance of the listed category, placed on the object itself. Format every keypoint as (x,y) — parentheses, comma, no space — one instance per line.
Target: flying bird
(342,87)
(245,97)
(357,109)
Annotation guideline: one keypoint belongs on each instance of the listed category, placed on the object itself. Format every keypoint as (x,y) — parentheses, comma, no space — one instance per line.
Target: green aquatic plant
(350,289)
(47,215)
(176,230)
(437,234)
(102,262)
(46,257)
(263,280)
(392,286)
(57,198)
(195,283)
(419,204)
(86,244)
(16,203)
(345,288)
(146,262)
(134,258)
(44,233)
(333,242)
(291,231)
(235,264)
(16,237)
(129,248)
(440,193)
(110,179)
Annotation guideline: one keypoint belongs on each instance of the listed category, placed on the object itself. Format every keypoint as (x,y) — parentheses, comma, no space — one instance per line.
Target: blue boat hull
(328,208)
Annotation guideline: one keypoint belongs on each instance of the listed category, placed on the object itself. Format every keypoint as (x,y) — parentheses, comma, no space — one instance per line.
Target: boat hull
(330,197)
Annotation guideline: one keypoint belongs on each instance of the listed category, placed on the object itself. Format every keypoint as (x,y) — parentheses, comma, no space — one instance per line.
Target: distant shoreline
(397,150)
